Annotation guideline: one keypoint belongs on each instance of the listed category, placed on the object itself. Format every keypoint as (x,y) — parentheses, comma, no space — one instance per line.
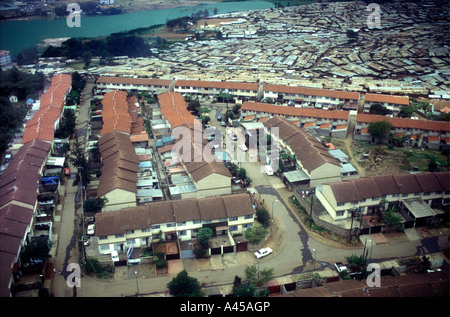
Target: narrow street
(67,251)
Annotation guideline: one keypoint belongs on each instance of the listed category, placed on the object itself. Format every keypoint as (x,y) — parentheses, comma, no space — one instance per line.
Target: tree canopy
(380,129)
(184,285)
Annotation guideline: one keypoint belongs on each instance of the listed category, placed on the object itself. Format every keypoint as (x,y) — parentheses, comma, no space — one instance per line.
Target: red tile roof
(174,109)
(400,100)
(294,111)
(115,114)
(41,126)
(406,123)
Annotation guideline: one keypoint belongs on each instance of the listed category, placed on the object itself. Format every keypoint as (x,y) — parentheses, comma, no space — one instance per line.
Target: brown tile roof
(294,111)
(405,123)
(312,91)
(400,100)
(20,180)
(120,164)
(311,153)
(358,189)
(141,217)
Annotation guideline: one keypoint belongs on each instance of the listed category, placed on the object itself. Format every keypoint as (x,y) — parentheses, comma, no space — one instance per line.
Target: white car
(263,252)
(90,229)
(243,147)
(114,256)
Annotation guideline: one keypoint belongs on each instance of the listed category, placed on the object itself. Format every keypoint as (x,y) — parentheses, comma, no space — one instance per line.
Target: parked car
(223,124)
(269,170)
(67,171)
(263,252)
(114,256)
(233,136)
(340,267)
(219,118)
(243,147)
(90,229)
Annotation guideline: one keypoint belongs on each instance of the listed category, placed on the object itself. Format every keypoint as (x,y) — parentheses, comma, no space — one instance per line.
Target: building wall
(214,185)
(185,232)
(326,173)
(118,199)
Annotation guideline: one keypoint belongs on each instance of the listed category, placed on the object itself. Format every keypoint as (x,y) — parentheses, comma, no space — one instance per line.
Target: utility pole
(311,208)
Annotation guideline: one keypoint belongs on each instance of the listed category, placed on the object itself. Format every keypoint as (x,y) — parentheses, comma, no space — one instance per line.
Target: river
(18,35)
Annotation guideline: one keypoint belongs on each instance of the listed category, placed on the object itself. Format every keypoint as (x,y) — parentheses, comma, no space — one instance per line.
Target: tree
(406,112)
(433,165)
(79,160)
(263,217)
(380,129)
(258,277)
(255,234)
(393,219)
(244,290)
(203,236)
(184,286)
(378,109)
(356,262)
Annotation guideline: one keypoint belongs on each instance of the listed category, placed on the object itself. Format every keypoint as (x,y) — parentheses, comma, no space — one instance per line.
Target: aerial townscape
(237,149)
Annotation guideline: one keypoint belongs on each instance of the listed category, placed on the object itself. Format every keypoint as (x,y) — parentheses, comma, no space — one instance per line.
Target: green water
(18,35)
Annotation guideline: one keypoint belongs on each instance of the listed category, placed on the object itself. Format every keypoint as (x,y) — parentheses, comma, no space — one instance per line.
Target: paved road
(67,251)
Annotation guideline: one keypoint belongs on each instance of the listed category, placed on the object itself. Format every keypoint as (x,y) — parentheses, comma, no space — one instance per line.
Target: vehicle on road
(340,267)
(243,147)
(263,252)
(90,229)
(223,124)
(233,136)
(268,169)
(67,171)
(219,118)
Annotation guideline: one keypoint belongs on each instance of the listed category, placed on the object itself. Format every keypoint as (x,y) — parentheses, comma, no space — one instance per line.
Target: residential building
(239,90)
(332,123)
(374,194)
(140,226)
(423,133)
(19,185)
(157,86)
(320,98)
(5,59)
(312,156)
(118,180)
(46,120)
(391,103)
(206,177)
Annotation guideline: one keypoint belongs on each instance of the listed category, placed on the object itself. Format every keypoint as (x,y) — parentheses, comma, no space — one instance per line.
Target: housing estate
(332,123)
(423,133)
(417,196)
(391,103)
(138,227)
(320,98)
(204,177)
